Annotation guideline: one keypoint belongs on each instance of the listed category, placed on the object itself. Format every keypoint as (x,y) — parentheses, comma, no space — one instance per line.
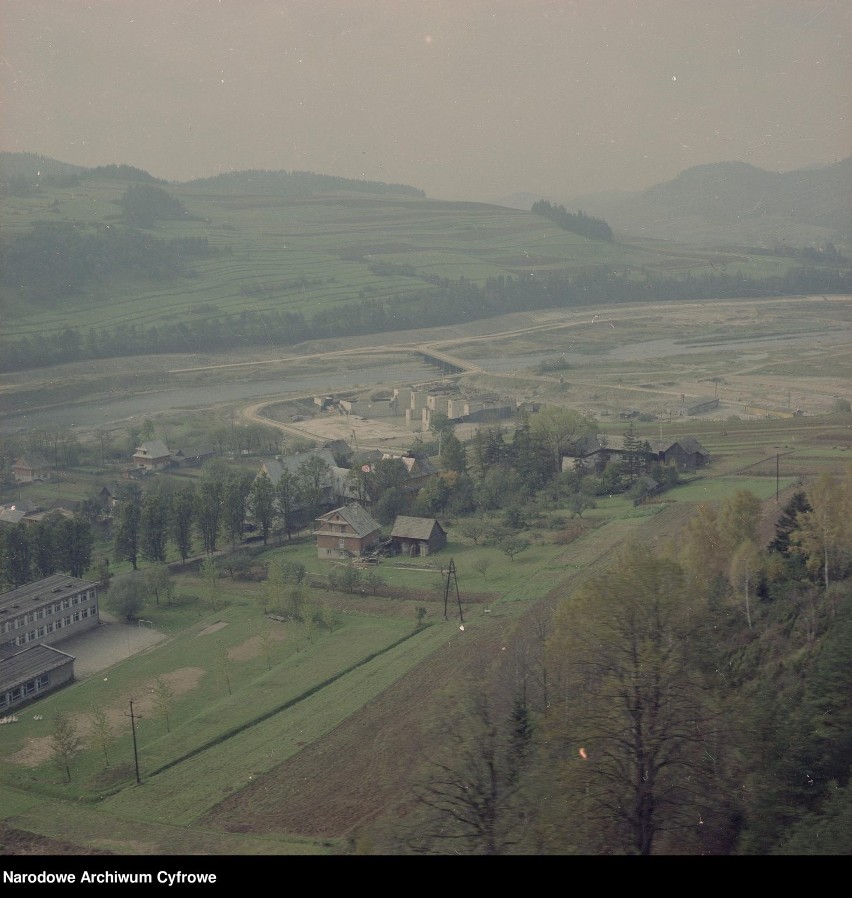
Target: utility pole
(135,752)
(451,574)
(777,456)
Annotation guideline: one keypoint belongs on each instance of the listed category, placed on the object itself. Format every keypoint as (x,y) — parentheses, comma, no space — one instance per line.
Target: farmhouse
(152,455)
(32,618)
(417,536)
(686,452)
(194,457)
(595,453)
(418,468)
(31,468)
(346,532)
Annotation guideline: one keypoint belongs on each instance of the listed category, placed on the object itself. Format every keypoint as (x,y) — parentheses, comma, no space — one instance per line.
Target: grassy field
(284,738)
(254,698)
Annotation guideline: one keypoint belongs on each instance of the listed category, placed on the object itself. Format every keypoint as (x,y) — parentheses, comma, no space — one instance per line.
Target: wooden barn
(417,536)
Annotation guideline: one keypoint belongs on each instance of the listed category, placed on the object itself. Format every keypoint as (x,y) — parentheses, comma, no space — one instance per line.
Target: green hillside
(260,256)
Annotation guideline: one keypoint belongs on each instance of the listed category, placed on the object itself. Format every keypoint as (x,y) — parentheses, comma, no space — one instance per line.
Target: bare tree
(224,661)
(101,731)
(164,696)
(469,794)
(64,743)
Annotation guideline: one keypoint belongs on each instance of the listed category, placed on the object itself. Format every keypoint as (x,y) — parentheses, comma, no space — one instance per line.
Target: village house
(346,532)
(417,536)
(419,470)
(152,455)
(193,458)
(594,453)
(32,468)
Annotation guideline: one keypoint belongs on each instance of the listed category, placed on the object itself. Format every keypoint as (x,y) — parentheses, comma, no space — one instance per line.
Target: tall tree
(824,534)
(64,743)
(262,504)
(75,544)
(126,596)
(739,519)
(154,529)
(288,495)
(208,510)
(788,522)
(557,428)
(629,715)
(235,497)
(469,790)
(101,731)
(128,526)
(182,517)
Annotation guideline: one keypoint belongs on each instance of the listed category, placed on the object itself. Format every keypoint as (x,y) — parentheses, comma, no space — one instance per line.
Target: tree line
(577,222)
(443,302)
(693,699)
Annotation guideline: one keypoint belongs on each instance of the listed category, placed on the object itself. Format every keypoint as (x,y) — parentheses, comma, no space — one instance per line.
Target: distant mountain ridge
(719,204)
(30,166)
(729,203)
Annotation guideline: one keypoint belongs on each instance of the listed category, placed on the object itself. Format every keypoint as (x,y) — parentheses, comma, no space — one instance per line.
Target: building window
(40,632)
(43,681)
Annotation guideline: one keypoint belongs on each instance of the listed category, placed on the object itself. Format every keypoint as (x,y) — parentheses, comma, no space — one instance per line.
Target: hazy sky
(465,99)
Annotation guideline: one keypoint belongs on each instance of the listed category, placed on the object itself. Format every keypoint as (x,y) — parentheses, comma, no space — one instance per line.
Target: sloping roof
(196,452)
(30,662)
(152,449)
(34,461)
(414,528)
(689,445)
(358,518)
(341,447)
(415,465)
(12,515)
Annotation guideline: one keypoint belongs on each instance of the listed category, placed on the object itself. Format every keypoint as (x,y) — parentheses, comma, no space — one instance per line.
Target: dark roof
(42,590)
(689,445)
(34,461)
(29,662)
(152,449)
(358,518)
(414,528)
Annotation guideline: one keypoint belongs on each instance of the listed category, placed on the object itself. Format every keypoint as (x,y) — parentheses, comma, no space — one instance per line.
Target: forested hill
(21,173)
